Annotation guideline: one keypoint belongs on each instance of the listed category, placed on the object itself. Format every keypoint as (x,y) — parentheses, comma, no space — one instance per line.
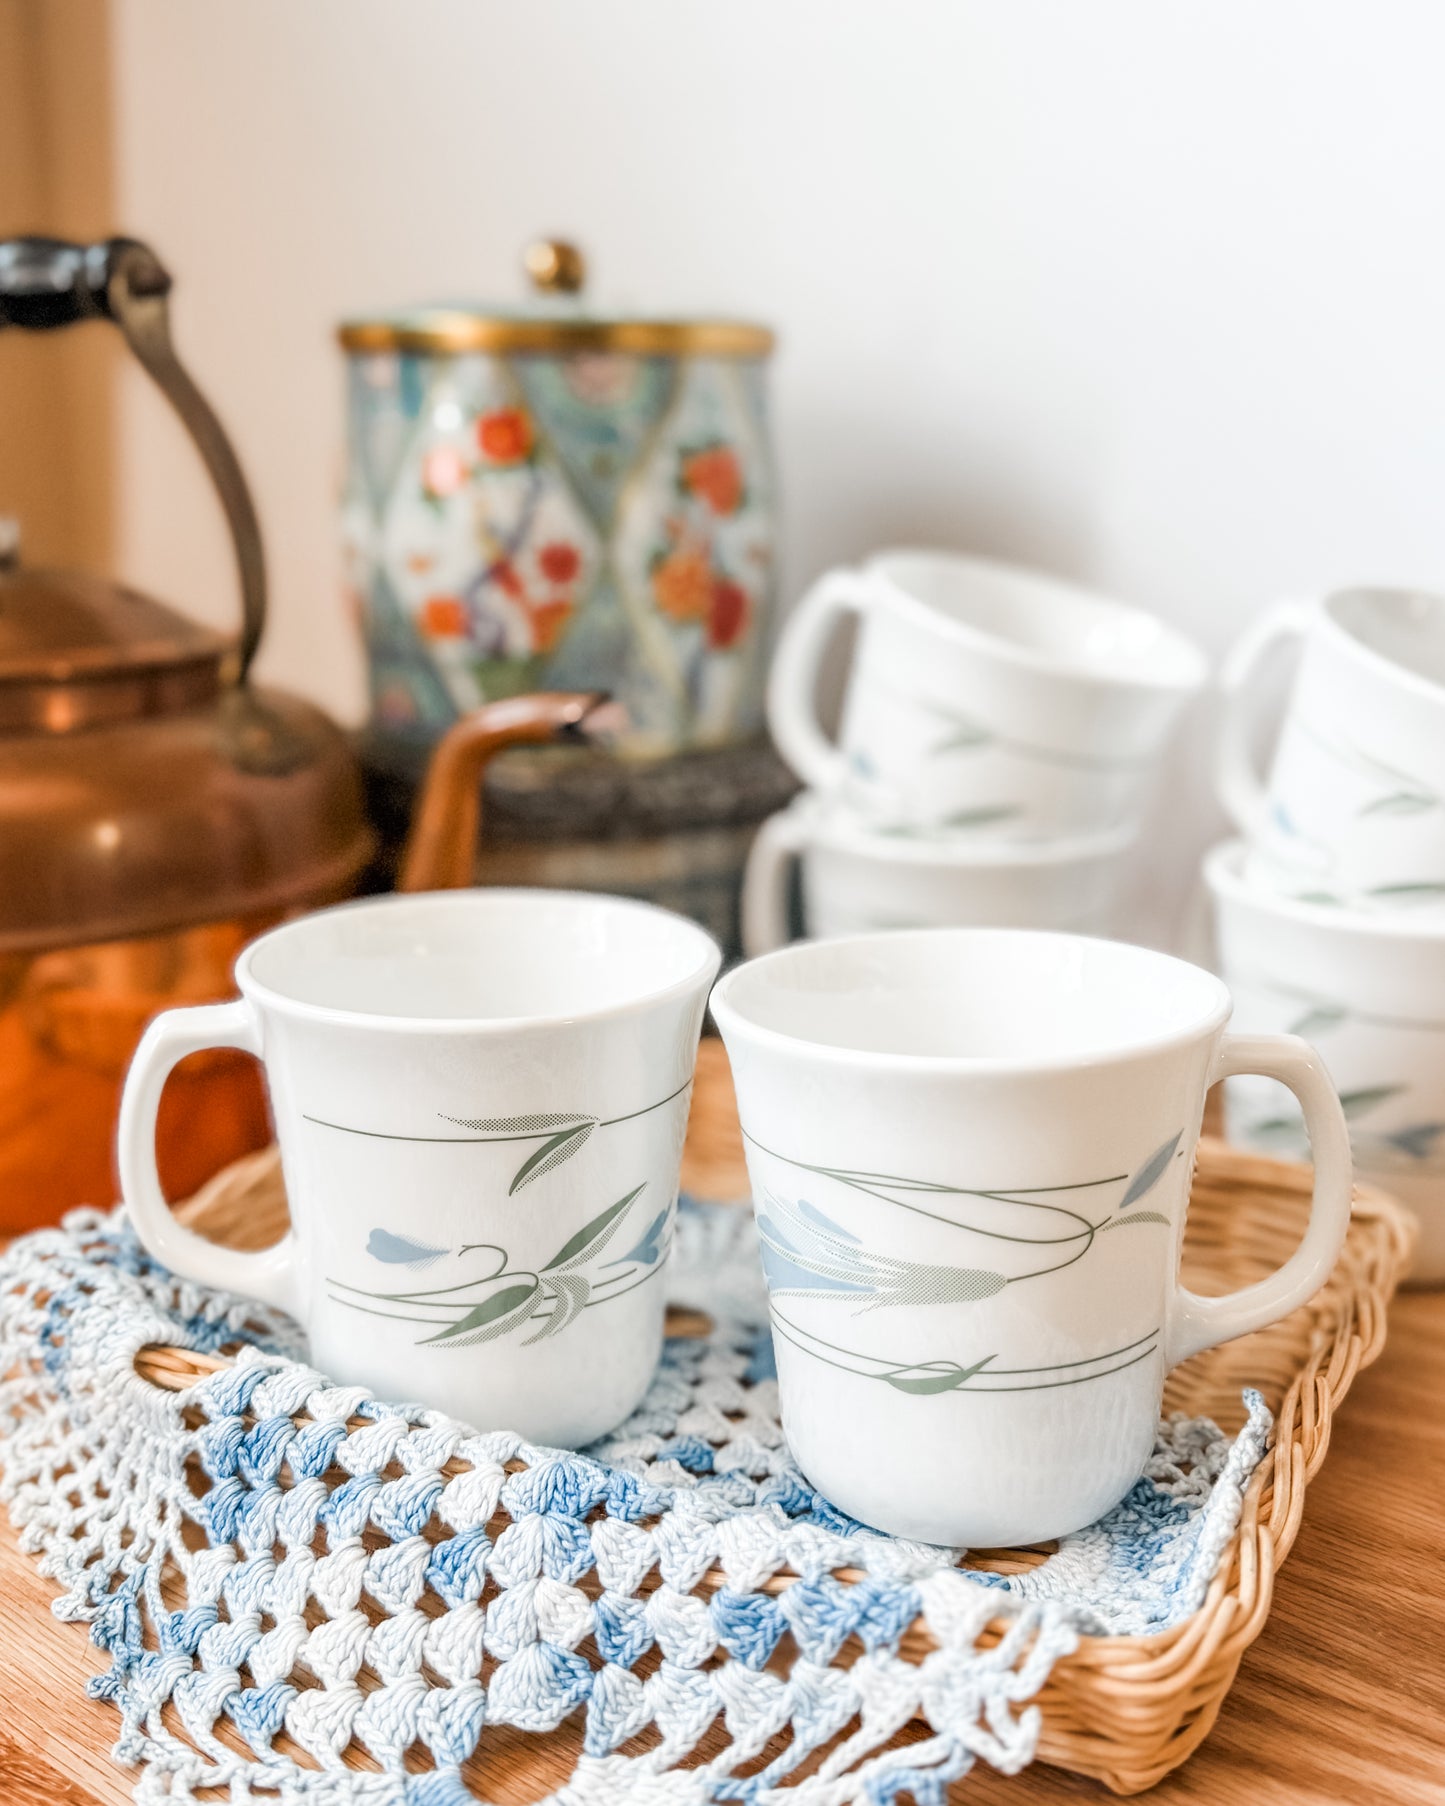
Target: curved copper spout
(441,849)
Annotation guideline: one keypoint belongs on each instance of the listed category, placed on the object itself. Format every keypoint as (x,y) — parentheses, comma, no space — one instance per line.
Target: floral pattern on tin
(693,558)
(562,522)
(490,555)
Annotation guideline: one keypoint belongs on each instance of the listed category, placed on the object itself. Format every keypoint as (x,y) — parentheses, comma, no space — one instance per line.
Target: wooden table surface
(1341,1699)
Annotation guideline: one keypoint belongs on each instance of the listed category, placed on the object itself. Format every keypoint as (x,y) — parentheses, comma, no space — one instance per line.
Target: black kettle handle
(47,283)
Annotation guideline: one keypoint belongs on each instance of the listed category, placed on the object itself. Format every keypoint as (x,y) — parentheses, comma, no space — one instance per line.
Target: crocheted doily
(278,1553)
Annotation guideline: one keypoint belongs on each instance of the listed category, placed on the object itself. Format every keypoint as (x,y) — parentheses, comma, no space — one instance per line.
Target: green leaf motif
(1409,892)
(1361,1102)
(493,1317)
(557,1148)
(963,737)
(1152,1171)
(924,1382)
(1318,1020)
(981,817)
(1401,802)
(1139,1216)
(919,1284)
(567,1133)
(930,1378)
(594,1235)
(570,1293)
(517,1125)
(1289,1129)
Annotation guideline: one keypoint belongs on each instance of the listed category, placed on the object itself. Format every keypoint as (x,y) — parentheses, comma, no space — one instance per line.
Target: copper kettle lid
(76,650)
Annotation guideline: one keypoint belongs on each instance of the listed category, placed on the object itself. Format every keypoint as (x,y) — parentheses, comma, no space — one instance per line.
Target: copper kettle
(157,809)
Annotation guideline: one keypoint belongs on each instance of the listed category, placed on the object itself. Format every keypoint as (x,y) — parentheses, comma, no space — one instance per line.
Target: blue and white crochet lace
(269,1553)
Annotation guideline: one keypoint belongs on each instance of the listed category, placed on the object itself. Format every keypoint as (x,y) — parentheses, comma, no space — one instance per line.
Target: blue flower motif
(804,1251)
(649,1248)
(402,1251)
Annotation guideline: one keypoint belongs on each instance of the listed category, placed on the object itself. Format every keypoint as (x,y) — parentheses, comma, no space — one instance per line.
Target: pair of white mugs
(999,738)
(1330,915)
(970,1153)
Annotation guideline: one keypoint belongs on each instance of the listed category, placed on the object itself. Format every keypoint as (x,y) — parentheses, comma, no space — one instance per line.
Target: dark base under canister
(674,832)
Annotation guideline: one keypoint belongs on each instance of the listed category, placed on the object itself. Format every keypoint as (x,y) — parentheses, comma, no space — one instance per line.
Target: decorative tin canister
(548,499)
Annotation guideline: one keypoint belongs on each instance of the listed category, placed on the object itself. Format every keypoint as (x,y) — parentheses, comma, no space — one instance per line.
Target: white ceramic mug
(983,699)
(856,880)
(1370,991)
(970,1152)
(1353,810)
(480,1098)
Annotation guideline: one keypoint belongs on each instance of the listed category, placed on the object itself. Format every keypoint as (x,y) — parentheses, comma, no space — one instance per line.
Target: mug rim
(1013,651)
(256,990)
(731,1020)
(829,825)
(1376,660)
(1226,880)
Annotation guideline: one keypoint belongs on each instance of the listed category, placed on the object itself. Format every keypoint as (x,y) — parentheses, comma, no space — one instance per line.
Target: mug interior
(1405,626)
(1045,620)
(992,996)
(479,956)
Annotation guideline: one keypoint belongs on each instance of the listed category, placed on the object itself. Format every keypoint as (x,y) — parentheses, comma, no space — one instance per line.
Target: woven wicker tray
(1124,1710)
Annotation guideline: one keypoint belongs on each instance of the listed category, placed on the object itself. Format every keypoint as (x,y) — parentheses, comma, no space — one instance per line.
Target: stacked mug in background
(1330,913)
(999,736)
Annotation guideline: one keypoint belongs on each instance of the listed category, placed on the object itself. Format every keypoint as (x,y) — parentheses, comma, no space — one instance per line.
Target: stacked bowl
(999,737)
(1330,911)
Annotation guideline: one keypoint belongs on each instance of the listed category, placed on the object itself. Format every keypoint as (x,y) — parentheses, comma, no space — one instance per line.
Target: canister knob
(555,266)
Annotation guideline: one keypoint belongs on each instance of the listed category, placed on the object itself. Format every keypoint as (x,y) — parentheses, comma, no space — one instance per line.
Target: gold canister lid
(555,324)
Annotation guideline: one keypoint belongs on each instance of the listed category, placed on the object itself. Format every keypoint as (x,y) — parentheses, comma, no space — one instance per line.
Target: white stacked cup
(999,739)
(1330,913)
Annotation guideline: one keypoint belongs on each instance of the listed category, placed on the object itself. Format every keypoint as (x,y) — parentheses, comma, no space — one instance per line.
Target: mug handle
(270,1275)
(765,883)
(1240,788)
(793,682)
(1196,1323)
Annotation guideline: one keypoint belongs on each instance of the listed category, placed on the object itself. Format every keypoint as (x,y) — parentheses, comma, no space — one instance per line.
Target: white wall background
(1148,293)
